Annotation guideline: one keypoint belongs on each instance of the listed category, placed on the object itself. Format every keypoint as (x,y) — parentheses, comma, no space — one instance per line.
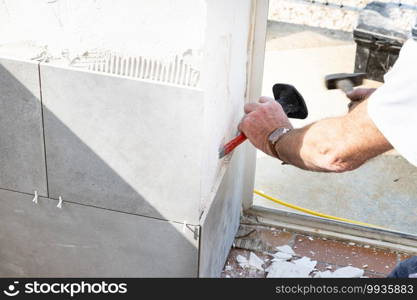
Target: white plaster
(157,28)
(224,79)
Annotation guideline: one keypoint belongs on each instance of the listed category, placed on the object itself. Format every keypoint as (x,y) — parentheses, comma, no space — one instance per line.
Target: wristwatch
(274,137)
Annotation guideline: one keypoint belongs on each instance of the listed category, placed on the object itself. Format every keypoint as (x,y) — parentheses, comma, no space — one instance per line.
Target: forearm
(334,144)
(314,147)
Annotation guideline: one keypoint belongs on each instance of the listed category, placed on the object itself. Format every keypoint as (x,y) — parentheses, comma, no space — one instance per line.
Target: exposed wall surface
(224,80)
(158,28)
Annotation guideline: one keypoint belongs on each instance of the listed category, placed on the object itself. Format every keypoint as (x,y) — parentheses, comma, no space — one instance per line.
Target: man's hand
(260,120)
(358,95)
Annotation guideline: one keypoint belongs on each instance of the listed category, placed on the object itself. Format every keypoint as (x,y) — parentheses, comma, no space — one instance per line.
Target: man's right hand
(358,95)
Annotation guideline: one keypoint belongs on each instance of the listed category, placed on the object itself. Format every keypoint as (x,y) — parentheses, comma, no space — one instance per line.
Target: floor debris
(281,256)
(285,249)
(255,262)
(290,254)
(243,261)
(300,268)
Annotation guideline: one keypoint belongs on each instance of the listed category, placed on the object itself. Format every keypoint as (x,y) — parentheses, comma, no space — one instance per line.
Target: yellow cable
(312,212)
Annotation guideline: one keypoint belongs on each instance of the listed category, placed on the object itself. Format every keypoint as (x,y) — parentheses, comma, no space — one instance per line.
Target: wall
(224,80)
(158,28)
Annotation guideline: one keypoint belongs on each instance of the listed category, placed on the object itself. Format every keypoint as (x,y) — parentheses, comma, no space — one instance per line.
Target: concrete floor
(382,192)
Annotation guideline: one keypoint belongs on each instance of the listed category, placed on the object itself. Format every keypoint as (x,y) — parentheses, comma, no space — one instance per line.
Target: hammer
(344,81)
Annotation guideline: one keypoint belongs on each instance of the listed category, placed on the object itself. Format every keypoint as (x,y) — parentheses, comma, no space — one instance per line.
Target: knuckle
(264,108)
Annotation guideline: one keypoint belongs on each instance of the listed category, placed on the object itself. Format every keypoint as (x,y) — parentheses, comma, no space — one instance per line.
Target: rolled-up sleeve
(393,107)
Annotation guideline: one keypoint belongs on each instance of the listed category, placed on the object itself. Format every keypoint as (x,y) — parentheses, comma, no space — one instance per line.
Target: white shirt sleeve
(393,107)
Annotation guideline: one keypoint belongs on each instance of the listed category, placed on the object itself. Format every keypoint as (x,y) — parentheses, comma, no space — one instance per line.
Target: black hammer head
(332,79)
(291,100)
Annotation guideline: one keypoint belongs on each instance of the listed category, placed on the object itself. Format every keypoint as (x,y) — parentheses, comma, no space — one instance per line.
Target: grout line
(19,192)
(98,207)
(43,129)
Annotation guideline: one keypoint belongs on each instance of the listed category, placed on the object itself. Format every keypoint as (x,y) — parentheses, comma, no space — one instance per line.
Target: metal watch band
(274,137)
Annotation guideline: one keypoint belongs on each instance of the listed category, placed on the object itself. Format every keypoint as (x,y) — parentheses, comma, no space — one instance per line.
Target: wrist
(274,137)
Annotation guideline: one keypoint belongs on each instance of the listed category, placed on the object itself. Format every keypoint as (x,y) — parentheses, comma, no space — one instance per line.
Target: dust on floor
(262,251)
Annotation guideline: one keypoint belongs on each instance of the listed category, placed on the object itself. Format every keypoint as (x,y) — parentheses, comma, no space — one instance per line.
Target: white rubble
(300,268)
(255,262)
(285,249)
(281,256)
(243,261)
(285,252)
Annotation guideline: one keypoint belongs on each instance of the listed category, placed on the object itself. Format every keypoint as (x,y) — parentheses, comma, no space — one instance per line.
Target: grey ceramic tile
(123,144)
(22,158)
(41,240)
(221,221)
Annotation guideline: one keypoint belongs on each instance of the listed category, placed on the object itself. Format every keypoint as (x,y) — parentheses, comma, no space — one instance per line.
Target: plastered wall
(158,28)
(224,79)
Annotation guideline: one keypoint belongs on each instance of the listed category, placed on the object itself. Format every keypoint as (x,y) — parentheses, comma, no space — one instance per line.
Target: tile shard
(243,261)
(281,256)
(255,262)
(300,268)
(285,249)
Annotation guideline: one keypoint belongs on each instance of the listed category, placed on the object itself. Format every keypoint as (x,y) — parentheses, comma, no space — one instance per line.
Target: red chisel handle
(230,146)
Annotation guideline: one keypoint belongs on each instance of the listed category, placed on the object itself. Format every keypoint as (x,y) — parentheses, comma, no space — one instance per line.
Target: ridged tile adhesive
(176,71)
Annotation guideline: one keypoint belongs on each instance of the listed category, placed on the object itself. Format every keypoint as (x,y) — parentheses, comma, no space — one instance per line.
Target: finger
(240,127)
(358,94)
(265,99)
(354,95)
(250,107)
